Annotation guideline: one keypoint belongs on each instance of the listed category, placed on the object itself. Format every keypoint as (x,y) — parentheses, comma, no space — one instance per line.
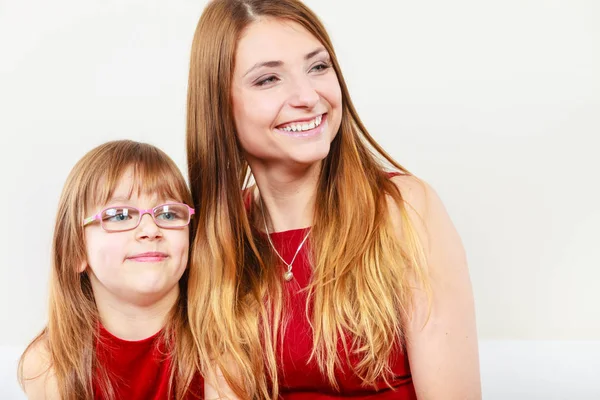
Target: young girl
(117,322)
(331,278)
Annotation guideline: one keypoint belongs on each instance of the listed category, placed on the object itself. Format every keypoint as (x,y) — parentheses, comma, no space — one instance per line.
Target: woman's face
(287,100)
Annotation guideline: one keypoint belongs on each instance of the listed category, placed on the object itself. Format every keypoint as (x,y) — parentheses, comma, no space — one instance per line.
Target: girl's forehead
(133,186)
(137,194)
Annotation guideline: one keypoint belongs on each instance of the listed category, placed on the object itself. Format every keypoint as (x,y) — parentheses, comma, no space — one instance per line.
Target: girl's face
(287,100)
(139,266)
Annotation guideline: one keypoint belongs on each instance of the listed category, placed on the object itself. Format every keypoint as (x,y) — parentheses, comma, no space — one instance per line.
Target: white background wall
(496,104)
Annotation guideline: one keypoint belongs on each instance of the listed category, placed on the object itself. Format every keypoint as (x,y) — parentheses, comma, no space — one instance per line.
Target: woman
(329,277)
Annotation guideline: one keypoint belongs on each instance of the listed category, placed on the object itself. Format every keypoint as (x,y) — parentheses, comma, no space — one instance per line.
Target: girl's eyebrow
(118,199)
(278,63)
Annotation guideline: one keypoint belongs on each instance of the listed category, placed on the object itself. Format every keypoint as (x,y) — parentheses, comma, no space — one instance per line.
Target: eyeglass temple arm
(89,220)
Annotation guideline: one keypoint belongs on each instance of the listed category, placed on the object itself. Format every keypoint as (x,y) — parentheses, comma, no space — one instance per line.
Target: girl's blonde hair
(362,273)
(72,330)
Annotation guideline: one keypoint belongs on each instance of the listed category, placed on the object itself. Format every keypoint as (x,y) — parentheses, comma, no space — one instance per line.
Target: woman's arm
(442,346)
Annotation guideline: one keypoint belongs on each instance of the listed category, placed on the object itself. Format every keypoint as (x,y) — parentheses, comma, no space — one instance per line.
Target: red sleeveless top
(139,370)
(301,379)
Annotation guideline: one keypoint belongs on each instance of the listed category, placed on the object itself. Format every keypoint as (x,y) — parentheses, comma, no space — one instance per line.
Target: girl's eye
(167,216)
(120,217)
(117,215)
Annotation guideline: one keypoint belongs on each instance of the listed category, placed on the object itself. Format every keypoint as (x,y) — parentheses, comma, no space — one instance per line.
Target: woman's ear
(83,266)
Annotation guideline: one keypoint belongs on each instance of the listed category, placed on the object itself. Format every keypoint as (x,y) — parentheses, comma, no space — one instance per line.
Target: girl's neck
(132,321)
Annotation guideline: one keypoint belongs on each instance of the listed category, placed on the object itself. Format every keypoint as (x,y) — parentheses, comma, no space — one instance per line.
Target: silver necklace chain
(288,275)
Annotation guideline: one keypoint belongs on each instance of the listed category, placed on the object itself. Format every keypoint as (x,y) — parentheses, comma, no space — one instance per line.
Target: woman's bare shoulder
(415,192)
(418,198)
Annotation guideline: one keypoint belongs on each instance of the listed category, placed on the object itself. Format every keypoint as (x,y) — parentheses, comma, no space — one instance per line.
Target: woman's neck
(287,196)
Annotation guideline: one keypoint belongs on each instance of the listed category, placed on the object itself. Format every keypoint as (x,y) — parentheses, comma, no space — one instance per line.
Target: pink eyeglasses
(124,218)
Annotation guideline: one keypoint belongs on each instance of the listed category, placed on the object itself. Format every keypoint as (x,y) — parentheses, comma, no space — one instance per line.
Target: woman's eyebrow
(278,63)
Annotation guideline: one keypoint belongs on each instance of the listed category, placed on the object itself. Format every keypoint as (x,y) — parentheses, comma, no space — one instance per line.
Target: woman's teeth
(304,126)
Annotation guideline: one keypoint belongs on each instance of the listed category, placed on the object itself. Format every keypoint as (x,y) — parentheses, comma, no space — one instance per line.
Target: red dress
(301,379)
(139,370)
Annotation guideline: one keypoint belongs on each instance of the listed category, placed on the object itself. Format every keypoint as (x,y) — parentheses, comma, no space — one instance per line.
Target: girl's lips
(148,257)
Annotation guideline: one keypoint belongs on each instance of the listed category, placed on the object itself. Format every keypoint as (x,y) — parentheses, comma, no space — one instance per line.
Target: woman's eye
(266,81)
(321,67)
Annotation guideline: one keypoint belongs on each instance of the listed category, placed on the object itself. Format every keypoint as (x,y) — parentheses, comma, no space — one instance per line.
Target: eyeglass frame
(142,212)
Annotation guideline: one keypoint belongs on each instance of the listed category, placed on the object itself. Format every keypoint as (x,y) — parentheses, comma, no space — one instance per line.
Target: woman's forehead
(270,39)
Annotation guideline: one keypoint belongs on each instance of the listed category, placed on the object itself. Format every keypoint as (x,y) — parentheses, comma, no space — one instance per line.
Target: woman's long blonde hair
(72,330)
(361,272)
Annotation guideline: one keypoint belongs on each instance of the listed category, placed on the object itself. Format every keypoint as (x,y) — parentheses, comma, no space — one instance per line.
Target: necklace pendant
(288,275)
